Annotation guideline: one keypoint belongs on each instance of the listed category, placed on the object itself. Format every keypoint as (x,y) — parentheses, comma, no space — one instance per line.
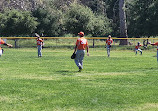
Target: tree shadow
(66,72)
(155,56)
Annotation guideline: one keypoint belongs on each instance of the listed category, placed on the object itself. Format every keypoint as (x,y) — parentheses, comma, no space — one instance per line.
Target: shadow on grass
(66,72)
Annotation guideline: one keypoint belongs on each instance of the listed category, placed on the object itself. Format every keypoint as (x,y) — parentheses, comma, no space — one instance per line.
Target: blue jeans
(157,55)
(79,58)
(39,50)
(139,51)
(1,52)
(108,50)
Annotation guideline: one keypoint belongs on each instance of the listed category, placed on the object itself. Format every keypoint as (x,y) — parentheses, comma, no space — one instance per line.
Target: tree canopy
(94,17)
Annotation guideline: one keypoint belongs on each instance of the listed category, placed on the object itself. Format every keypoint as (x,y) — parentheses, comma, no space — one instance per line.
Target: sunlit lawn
(124,81)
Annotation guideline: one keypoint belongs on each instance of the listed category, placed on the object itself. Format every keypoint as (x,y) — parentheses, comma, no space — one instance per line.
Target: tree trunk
(123,26)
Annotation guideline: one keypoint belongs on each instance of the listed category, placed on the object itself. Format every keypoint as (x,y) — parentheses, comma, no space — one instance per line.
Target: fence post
(93,43)
(15,43)
(56,43)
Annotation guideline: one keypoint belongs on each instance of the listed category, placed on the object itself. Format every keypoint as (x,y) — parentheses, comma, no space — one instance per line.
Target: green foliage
(15,22)
(101,26)
(61,17)
(97,6)
(143,18)
(80,18)
(49,21)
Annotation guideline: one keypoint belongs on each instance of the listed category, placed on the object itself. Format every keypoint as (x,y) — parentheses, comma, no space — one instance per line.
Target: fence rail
(70,41)
(76,38)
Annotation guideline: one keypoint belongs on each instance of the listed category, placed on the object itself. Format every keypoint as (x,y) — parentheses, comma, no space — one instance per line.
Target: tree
(97,6)
(50,21)
(81,18)
(25,5)
(123,26)
(143,18)
(15,22)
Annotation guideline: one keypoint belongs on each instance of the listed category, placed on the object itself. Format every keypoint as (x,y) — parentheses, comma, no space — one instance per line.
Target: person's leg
(136,51)
(140,51)
(157,55)
(108,50)
(40,51)
(1,52)
(81,58)
(77,58)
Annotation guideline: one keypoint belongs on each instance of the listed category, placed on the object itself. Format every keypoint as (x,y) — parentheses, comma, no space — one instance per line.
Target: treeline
(68,17)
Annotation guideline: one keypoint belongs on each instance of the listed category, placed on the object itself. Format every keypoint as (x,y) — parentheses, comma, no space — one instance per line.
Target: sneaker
(80,68)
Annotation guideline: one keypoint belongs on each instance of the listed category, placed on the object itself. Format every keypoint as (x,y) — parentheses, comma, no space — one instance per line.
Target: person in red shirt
(81,45)
(109,41)
(2,42)
(39,45)
(157,48)
(137,48)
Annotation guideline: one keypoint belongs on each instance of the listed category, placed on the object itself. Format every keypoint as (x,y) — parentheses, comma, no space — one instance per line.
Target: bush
(15,22)
(81,18)
(49,21)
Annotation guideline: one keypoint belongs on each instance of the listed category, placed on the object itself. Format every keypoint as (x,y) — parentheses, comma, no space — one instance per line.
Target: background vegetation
(61,17)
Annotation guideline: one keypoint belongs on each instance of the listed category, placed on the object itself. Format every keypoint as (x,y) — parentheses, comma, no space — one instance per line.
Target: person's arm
(77,43)
(87,50)
(105,43)
(153,43)
(75,48)
(111,41)
(9,45)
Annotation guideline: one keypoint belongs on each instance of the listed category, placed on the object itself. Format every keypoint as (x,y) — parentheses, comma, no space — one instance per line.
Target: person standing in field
(81,45)
(137,48)
(109,41)
(157,48)
(2,42)
(39,45)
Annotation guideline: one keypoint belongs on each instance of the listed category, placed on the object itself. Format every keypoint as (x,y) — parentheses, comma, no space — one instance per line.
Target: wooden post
(15,42)
(93,43)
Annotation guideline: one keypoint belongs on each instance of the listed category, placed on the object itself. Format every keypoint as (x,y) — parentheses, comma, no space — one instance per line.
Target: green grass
(123,82)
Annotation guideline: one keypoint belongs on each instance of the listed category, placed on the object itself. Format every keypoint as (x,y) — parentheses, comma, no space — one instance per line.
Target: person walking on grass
(109,41)
(39,45)
(137,48)
(157,47)
(81,45)
(2,42)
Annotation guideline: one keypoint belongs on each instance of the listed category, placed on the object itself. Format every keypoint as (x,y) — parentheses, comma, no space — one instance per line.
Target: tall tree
(123,26)
(143,18)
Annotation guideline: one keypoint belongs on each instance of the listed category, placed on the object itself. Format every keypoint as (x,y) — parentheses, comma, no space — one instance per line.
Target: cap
(81,34)
(109,36)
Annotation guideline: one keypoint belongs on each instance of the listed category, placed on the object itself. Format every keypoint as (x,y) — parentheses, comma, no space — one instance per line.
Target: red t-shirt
(1,42)
(109,41)
(137,46)
(39,41)
(81,43)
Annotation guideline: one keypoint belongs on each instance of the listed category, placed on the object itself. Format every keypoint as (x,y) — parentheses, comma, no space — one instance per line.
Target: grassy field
(123,82)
